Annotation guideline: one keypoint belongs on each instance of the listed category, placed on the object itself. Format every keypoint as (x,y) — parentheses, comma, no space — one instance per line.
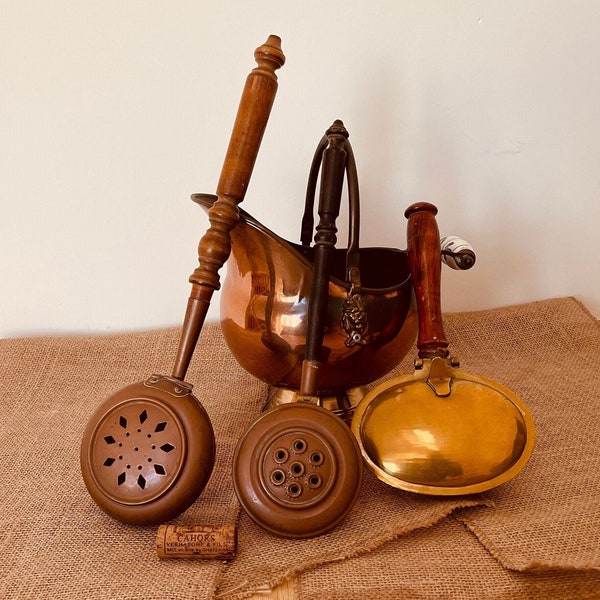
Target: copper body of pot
(264,301)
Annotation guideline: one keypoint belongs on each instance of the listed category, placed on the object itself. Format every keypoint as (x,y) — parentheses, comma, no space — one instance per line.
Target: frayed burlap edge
(265,576)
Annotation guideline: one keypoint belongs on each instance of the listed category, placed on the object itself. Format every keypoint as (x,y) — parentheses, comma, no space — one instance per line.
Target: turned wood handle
(251,121)
(215,245)
(330,195)
(424,255)
(248,129)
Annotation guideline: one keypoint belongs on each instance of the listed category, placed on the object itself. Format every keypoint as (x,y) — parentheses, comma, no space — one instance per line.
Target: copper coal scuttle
(369,322)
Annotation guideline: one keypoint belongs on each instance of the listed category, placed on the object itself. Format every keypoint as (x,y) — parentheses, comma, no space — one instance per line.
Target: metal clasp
(439,378)
(354,319)
(172,386)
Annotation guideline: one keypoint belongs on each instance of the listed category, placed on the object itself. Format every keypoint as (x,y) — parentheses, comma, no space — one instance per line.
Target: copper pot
(264,302)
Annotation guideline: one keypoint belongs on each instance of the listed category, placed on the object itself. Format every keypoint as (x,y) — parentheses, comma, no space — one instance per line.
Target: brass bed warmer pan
(440,431)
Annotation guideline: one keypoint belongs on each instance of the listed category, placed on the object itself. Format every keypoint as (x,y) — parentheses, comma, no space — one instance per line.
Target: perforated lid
(298,470)
(148,451)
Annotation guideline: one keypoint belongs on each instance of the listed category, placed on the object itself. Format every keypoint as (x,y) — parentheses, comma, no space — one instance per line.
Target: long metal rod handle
(215,246)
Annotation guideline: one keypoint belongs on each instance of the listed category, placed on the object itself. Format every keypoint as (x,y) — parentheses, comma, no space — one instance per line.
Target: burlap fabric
(535,537)
(444,561)
(54,541)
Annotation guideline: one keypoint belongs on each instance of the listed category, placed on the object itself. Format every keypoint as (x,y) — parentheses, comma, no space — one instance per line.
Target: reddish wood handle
(424,255)
(215,245)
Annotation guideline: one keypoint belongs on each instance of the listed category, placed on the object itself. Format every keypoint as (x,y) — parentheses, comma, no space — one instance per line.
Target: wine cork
(196,541)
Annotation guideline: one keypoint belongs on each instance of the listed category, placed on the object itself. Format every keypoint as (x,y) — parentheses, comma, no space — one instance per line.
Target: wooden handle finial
(250,123)
(424,256)
(215,245)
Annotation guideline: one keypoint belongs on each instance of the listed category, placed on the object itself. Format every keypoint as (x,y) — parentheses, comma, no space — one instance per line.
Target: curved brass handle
(215,245)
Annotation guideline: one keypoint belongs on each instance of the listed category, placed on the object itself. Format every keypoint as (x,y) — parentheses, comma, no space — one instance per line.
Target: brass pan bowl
(264,302)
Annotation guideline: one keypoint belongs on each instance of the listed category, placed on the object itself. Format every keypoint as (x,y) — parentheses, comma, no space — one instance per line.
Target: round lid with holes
(147,452)
(137,451)
(297,470)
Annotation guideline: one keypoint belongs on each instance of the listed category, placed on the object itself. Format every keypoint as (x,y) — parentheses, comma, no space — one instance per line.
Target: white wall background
(113,112)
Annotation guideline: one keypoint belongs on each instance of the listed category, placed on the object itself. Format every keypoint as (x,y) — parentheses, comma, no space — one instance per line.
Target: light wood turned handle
(215,245)
(246,136)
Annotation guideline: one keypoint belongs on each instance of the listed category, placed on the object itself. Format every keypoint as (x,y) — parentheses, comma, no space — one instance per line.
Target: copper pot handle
(306,231)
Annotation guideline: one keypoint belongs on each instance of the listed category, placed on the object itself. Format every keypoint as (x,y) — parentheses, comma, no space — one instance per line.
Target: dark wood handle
(332,180)
(424,255)
(215,245)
